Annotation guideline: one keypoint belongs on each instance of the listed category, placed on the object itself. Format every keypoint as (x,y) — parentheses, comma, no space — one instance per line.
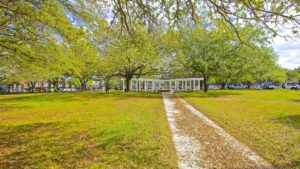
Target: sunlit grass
(267,121)
(85,130)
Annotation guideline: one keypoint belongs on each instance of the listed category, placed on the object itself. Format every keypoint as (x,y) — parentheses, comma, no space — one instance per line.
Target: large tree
(258,64)
(204,49)
(31,33)
(211,50)
(85,60)
(133,55)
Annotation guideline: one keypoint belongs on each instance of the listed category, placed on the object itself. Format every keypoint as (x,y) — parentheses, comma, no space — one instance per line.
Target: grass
(266,121)
(85,130)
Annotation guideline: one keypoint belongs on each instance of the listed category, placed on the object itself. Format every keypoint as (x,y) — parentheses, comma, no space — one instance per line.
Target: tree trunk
(29,87)
(83,84)
(70,86)
(205,83)
(127,82)
(223,85)
(42,88)
(64,84)
(55,82)
(54,85)
(107,85)
(9,88)
(49,85)
(249,84)
(201,85)
(33,86)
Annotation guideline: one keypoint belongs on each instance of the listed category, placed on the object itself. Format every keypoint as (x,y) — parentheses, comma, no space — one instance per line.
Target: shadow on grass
(111,139)
(5,108)
(291,121)
(76,96)
(41,145)
(296,100)
(47,145)
(208,94)
(127,150)
(291,165)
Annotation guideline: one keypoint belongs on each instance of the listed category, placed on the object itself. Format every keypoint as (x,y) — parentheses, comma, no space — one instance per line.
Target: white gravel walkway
(189,148)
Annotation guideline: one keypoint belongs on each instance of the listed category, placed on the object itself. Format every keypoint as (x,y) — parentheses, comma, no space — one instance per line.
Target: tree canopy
(226,40)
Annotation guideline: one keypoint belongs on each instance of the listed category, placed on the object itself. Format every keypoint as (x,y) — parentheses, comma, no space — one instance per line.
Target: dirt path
(200,143)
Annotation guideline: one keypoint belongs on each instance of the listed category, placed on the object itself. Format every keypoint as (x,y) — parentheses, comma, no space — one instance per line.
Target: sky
(288,52)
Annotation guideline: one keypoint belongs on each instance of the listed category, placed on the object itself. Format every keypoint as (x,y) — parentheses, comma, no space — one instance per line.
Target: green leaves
(133,54)
(215,52)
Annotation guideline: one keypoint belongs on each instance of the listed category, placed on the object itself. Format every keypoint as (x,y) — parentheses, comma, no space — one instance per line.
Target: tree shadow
(77,96)
(41,145)
(6,108)
(144,95)
(291,165)
(296,100)
(42,97)
(109,138)
(291,121)
(126,148)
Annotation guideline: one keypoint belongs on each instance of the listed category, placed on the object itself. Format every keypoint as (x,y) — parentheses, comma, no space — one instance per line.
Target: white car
(292,86)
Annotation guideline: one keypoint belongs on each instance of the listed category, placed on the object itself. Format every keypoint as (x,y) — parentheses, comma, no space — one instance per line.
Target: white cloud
(288,52)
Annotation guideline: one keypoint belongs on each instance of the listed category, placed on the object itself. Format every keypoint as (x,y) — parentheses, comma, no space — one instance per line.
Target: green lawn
(267,121)
(85,130)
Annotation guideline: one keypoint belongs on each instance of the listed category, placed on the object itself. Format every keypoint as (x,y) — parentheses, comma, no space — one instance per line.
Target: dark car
(268,85)
(295,88)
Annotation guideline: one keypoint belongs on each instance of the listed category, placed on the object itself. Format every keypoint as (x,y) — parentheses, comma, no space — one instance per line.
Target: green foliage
(38,40)
(25,23)
(293,75)
(132,55)
(74,82)
(31,35)
(213,51)
(84,59)
(278,75)
(268,16)
(90,82)
(259,65)
(111,83)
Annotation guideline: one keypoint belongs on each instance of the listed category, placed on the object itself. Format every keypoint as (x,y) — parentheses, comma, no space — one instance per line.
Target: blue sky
(288,52)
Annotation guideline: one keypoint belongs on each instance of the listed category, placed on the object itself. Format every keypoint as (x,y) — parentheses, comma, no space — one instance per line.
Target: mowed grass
(85,130)
(266,121)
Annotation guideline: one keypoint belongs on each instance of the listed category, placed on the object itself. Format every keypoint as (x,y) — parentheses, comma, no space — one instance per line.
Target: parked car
(268,85)
(258,87)
(295,88)
(214,86)
(291,85)
(237,86)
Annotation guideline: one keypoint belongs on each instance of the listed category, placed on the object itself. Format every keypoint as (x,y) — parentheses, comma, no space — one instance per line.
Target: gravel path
(200,143)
